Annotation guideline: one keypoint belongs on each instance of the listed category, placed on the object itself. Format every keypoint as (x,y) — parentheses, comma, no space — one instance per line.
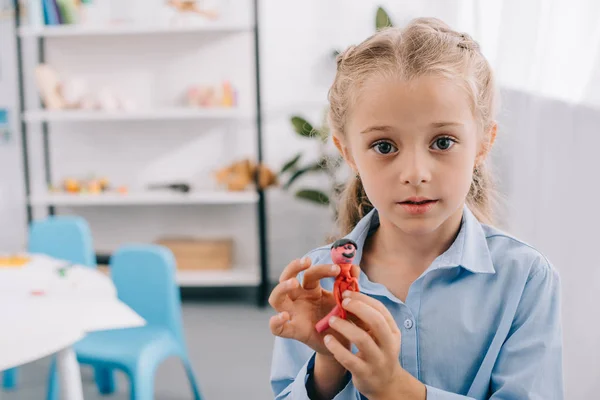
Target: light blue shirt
(482,322)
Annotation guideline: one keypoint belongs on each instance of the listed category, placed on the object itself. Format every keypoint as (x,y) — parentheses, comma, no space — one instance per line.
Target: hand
(301,306)
(376,370)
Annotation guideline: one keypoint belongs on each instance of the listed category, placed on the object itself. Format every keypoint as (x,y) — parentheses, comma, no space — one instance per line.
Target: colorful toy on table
(14,261)
(343,252)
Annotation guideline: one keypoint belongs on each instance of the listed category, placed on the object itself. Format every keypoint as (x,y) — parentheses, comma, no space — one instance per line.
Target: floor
(230,347)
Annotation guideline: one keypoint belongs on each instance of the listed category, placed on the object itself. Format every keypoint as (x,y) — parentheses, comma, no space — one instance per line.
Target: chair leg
(192,378)
(9,378)
(53,382)
(105,380)
(142,382)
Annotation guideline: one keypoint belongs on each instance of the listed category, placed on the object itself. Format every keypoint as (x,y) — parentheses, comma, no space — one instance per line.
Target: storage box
(200,254)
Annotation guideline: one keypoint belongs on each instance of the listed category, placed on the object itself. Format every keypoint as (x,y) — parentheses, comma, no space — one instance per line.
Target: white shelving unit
(241,274)
(238,276)
(145,198)
(159,114)
(124,30)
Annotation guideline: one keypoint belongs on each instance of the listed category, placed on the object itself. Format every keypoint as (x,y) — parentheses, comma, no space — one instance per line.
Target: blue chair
(144,276)
(65,237)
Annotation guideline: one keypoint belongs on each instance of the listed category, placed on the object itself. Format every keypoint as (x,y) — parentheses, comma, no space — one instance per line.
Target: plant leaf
(291,163)
(315,196)
(303,127)
(298,173)
(382,19)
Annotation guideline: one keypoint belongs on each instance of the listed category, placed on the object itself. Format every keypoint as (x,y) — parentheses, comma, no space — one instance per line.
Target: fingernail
(345,302)
(332,320)
(334,267)
(303,261)
(290,282)
(327,339)
(346,294)
(280,316)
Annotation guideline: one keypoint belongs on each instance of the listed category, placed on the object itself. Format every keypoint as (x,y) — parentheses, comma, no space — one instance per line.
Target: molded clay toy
(343,252)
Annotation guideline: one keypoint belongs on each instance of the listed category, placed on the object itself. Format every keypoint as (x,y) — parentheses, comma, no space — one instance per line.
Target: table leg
(69,375)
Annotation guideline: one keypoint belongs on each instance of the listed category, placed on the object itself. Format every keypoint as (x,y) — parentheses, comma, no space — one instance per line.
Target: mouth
(416,206)
(417,201)
(348,255)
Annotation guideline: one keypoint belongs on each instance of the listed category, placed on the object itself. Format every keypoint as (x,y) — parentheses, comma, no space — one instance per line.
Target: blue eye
(384,147)
(444,143)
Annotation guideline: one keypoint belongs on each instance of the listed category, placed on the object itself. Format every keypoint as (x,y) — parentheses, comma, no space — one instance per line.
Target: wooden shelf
(139,115)
(129,30)
(231,278)
(145,198)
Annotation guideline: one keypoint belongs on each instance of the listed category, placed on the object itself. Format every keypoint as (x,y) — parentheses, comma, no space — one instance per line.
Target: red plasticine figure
(343,252)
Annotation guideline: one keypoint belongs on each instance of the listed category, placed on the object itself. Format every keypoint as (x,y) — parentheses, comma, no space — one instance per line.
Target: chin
(417,224)
(418,227)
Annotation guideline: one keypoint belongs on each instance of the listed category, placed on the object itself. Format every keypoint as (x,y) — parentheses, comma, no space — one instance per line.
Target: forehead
(416,102)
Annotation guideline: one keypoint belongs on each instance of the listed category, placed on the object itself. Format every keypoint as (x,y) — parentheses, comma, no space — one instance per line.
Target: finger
(284,293)
(280,325)
(294,268)
(376,304)
(345,357)
(373,318)
(314,274)
(363,341)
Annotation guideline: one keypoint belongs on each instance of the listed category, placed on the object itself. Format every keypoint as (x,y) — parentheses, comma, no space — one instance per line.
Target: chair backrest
(144,275)
(64,237)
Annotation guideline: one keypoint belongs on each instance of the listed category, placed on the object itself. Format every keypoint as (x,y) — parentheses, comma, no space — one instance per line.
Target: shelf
(142,198)
(131,30)
(230,278)
(138,115)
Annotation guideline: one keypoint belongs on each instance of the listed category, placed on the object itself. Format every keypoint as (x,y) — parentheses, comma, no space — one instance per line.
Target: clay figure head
(343,251)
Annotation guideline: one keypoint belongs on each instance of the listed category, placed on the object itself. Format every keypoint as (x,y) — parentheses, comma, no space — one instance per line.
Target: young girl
(449,307)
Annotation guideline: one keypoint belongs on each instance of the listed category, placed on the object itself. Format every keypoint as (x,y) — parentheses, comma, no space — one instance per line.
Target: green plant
(326,163)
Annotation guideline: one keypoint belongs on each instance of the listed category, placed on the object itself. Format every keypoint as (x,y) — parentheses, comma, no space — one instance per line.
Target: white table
(63,309)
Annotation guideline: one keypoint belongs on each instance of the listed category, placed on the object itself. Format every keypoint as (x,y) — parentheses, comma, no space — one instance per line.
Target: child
(449,307)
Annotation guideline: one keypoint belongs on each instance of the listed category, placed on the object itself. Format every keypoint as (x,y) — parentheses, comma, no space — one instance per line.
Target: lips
(417,200)
(348,255)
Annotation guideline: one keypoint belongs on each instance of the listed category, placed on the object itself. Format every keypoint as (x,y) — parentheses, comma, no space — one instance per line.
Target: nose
(414,168)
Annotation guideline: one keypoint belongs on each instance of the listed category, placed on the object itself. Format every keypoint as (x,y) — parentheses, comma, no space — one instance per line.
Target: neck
(414,252)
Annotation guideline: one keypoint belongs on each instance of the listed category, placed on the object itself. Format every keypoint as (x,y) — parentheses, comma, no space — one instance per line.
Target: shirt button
(408,323)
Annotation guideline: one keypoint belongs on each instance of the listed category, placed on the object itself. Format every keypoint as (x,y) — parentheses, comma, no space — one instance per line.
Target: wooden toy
(240,174)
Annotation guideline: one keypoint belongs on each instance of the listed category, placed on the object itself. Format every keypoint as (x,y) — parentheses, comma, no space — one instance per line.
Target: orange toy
(13,261)
(343,252)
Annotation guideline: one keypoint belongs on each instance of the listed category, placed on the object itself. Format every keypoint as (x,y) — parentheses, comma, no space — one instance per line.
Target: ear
(487,144)
(345,152)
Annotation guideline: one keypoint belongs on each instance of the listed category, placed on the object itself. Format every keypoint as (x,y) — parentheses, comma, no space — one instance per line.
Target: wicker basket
(193,254)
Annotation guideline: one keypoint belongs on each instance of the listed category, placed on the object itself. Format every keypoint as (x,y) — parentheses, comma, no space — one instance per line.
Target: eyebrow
(387,128)
(377,128)
(444,124)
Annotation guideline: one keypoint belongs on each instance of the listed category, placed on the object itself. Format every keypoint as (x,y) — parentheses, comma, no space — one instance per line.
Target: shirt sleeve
(529,365)
(290,366)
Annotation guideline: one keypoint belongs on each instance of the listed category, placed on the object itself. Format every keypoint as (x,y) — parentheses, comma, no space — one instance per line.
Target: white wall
(545,151)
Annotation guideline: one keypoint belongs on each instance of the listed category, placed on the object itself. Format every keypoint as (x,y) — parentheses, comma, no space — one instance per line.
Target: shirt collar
(469,250)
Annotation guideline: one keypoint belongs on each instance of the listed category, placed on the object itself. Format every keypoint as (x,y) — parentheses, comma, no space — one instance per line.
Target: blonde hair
(425,46)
